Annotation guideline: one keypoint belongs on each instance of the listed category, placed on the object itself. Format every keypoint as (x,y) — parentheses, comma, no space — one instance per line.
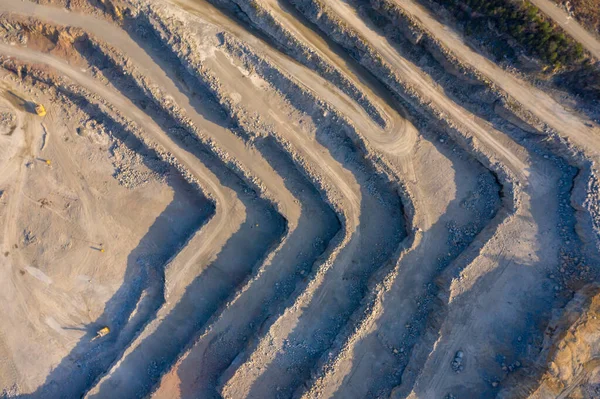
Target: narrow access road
(567,122)
(414,77)
(398,139)
(230,212)
(588,40)
(224,139)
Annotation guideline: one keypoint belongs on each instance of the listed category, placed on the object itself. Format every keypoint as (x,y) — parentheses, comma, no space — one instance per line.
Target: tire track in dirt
(13,173)
(15,162)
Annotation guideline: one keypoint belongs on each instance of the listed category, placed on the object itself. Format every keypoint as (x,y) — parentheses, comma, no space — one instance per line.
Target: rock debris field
(287,199)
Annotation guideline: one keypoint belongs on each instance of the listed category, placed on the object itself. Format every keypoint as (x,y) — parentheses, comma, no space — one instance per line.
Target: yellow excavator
(103,332)
(40,110)
(115,9)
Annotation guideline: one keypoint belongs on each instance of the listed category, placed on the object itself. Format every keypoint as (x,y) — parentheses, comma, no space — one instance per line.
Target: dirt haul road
(539,192)
(589,41)
(347,193)
(568,123)
(370,223)
(233,389)
(416,79)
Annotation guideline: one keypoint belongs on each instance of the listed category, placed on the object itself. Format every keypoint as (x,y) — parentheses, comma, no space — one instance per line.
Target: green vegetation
(523,22)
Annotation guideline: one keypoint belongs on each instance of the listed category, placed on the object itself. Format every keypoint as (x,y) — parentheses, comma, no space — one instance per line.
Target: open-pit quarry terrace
(286,199)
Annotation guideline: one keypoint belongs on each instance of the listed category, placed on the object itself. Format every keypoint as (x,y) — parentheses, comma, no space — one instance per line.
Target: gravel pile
(8,122)
(129,169)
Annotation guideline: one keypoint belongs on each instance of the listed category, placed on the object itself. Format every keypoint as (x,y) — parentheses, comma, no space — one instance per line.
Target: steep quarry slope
(545,108)
(334,17)
(286,198)
(569,358)
(82,217)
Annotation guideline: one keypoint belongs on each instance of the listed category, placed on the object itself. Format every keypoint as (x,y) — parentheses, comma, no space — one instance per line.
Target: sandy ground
(273,199)
(58,217)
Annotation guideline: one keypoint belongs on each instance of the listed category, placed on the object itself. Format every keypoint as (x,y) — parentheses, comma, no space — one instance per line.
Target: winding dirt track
(416,79)
(397,139)
(567,122)
(537,182)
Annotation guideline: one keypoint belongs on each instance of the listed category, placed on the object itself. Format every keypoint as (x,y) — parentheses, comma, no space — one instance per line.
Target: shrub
(523,22)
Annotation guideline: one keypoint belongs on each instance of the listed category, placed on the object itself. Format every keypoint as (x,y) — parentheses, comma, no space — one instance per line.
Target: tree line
(523,22)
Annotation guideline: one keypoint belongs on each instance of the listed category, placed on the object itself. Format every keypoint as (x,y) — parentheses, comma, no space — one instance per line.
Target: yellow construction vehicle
(40,110)
(101,333)
(118,13)
(111,7)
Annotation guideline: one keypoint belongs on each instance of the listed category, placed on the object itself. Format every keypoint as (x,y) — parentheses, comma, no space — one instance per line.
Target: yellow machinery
(101,333)
(118,12)
(114,8)
(40,110)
